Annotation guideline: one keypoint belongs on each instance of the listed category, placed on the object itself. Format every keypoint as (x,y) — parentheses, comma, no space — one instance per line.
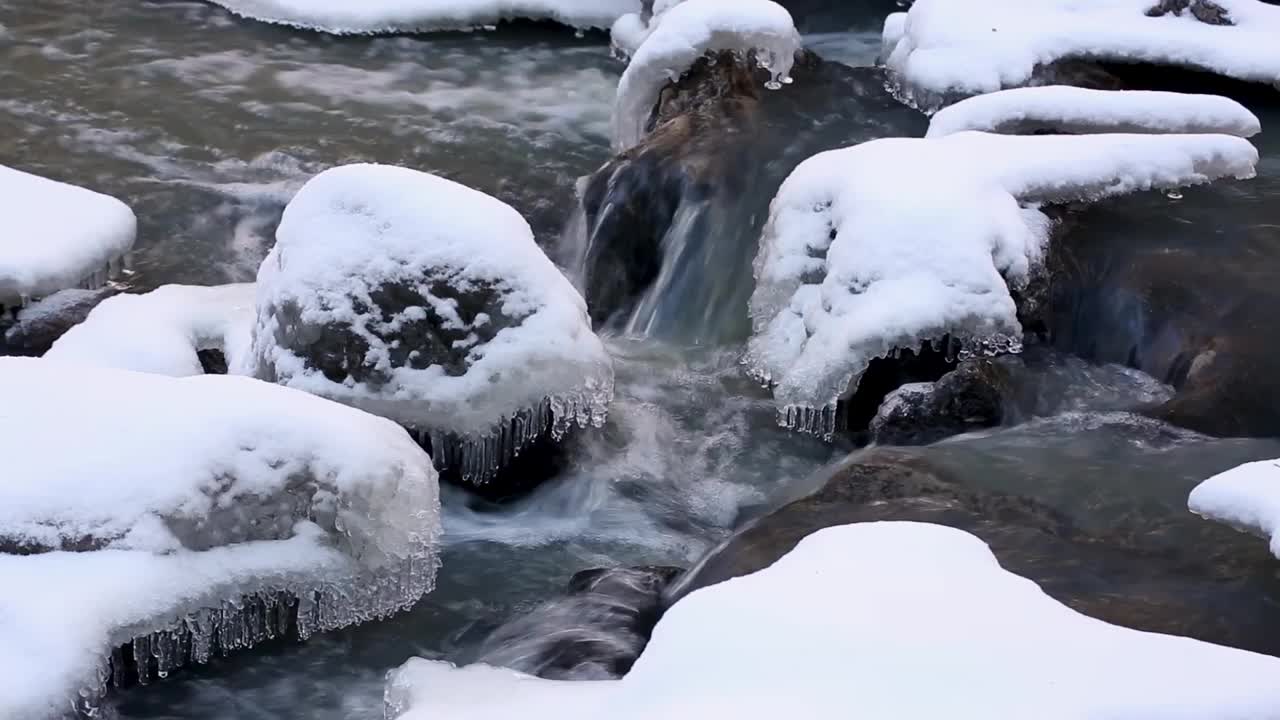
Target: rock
(37,326)
(1206,11)
(1117,577)
(421,300)
(671,225)
(1183,292)
(596,631)
(970,397)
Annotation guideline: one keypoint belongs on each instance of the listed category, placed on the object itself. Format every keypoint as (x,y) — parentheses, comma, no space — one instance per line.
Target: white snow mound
(848,623)
(344,17)
(896,242)
(1079,111)
(942,49)
(355,230)
(55,236)
(161,331)
(180,498)
(1246,498)
(680,33)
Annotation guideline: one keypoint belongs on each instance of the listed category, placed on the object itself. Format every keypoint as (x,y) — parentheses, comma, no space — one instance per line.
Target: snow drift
(163,330)
(847,624)
(940,50)
(1246,498)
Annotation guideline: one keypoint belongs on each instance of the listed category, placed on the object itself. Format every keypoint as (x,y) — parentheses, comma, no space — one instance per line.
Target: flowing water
(206,124)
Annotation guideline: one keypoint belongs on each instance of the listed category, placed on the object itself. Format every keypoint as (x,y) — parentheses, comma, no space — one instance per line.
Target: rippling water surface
(206,125)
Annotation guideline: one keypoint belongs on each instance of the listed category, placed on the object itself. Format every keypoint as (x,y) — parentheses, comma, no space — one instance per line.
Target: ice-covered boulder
(55,236)
(193,516)
(1061,108)
(665,46)
(164,331)
(427,302)
(897,243)
(941,50)
(1246,498)
(848,623)
(386,16)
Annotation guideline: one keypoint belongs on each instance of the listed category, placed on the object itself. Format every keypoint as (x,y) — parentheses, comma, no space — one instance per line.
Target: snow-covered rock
(679,33)
(384,16)
(848,623)
(192,516)
(1246,498)
(163,330)
(897,242)
(944,49)
(427,302)
(1068,109)
(55,236)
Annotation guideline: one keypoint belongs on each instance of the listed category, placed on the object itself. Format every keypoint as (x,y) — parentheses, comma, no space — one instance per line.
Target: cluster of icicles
(95,280)
(479,458)
(256,617)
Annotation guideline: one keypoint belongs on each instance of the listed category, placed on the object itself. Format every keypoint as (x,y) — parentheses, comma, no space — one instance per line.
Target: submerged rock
(595,632)
(1183,290)
(429,303)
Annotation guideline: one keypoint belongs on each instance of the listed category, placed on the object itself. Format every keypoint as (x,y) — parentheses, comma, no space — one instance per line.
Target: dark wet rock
(1206,11)
(1183,290)
(37,327)
(815,16)
(595,632)
(1214,594)
(688,203)
(970,397)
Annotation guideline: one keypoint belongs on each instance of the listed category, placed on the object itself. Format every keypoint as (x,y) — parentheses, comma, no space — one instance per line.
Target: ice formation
(421,300)
(1078,110)
(55,236)
(1246,498)
(897,242)
(193,516)
(384,16)
(847,624)
(162,331)
(681,32)
(943,49)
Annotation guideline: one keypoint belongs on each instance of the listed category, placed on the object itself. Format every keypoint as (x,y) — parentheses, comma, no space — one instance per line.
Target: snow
(179,497)
(161,331)
(1078,110)
(897,242)
(877,620)
(55,236)
(382,16)
(680,34)
(358,228)
(1246,498)
(947,48)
